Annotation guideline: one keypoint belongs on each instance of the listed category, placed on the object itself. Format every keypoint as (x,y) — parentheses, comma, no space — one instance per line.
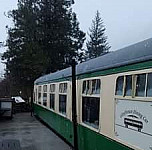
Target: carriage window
(149,85)
(90,111)
(63,88)
(96,86)
(84,87)
(45,95)
(36,93)
(39,94)
(52,88)
(45,88)
(52,100)
(91,102)
(62,104)
(62,97)
(91,87)
(88,87)
(140,85)
(52,96)
(128,88)
(119,85)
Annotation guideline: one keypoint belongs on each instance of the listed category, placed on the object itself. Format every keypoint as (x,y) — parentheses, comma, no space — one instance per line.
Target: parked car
(6,107)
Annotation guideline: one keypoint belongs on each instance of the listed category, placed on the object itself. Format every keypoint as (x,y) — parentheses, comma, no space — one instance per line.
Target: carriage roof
(136,53)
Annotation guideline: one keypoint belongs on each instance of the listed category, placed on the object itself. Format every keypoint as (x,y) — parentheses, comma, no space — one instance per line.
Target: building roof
(135,53)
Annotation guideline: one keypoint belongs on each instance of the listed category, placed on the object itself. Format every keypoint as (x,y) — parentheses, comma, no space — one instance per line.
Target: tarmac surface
(31,133)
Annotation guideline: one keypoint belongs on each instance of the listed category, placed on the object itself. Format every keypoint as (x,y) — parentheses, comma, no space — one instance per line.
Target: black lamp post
(74,108)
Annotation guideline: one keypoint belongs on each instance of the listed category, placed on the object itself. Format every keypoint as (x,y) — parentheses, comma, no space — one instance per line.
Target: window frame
(65,93)
(35,95)
(92,95)
(147,84)
(53,93)
(45,92)
(40,92)
(134,86)
(123,86)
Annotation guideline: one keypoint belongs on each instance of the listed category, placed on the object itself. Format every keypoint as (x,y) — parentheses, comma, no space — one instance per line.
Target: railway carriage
(114,100)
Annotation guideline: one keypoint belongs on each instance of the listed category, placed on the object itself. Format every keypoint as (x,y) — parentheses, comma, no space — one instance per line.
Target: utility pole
(74,108)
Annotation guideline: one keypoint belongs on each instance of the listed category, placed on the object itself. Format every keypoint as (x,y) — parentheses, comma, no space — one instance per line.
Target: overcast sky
(126,21)
(5,6)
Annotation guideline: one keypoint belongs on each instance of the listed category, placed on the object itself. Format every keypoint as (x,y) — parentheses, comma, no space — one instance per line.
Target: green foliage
(45,36)
(60,33)
(97,45)
(4,88)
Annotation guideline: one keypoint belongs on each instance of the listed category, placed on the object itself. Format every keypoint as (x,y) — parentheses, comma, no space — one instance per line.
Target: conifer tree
(23,53)
(45,36)
(61,35)
(97,44)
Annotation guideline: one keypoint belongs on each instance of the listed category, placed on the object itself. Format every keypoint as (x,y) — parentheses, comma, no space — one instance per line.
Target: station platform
(29,134)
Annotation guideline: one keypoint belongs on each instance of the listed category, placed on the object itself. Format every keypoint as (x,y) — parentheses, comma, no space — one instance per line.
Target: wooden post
(74,108)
